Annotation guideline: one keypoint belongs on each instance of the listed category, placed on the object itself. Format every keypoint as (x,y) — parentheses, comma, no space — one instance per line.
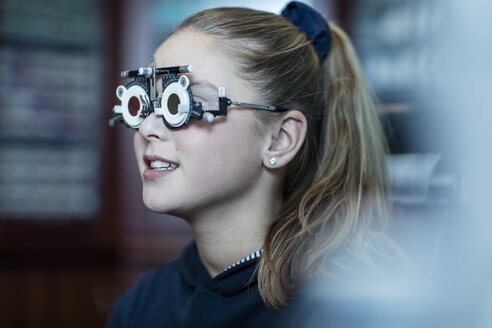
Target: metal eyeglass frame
(175,103)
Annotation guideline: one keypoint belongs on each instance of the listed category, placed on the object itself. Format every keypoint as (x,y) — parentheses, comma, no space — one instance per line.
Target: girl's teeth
(160,165)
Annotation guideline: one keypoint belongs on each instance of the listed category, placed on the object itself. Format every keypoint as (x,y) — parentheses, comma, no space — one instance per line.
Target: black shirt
(182,294)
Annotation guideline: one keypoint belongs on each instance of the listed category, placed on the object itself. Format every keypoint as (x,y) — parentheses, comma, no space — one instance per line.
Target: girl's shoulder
(146,300)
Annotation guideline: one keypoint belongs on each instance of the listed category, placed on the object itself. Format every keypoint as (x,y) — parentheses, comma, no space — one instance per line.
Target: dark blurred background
(74,233)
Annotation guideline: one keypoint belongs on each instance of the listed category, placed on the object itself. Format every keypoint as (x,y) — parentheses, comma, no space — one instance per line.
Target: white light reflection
(456,287)
(469,89)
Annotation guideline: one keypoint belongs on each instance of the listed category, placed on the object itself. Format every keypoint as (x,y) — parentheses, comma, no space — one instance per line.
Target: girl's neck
(217,252)
(226,236)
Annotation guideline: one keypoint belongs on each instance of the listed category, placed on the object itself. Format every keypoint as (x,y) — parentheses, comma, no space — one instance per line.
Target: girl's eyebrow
(203,84)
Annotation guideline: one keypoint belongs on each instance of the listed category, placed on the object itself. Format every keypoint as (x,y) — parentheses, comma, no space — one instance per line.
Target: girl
(275,197)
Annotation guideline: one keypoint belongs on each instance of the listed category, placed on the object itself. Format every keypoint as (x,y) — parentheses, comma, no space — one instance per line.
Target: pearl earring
(273,161)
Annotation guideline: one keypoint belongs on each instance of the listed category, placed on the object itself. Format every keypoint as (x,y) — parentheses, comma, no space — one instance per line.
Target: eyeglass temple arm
(225,102)
(264,107)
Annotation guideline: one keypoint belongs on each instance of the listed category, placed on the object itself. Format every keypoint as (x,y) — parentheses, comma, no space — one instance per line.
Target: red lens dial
(133,106)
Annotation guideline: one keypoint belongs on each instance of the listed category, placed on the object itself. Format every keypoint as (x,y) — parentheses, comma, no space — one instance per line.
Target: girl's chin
(157,206)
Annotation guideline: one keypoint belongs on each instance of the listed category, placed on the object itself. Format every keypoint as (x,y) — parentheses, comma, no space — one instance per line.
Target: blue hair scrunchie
(312,24)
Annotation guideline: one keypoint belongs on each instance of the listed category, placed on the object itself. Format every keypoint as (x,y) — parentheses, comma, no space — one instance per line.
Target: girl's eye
(210,106)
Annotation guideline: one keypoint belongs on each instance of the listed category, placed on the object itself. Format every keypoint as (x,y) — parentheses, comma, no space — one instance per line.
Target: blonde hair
(336,185)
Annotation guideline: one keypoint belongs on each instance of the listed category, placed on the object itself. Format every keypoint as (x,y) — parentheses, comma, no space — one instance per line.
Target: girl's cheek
(138,143)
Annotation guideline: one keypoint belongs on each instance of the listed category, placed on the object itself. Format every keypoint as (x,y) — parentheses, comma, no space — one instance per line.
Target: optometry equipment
(175,103)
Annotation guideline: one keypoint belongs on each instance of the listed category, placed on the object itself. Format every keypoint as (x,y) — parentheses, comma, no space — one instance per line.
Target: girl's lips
(151,173)
(149,158)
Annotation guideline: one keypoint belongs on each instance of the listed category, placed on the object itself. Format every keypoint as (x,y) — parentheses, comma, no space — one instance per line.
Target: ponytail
(347,192)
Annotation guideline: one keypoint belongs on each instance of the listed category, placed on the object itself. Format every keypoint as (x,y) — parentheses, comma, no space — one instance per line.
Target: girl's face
(211,165)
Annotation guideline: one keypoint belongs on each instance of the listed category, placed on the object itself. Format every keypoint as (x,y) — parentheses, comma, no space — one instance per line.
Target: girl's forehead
(212,67)
(184,46)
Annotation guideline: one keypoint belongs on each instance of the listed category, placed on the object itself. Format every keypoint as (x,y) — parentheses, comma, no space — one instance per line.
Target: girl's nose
(153,128)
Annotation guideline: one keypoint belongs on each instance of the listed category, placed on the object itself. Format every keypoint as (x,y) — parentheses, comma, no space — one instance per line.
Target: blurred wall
(428,62)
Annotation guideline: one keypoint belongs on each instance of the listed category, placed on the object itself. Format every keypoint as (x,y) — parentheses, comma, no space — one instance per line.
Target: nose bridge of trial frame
(150,72)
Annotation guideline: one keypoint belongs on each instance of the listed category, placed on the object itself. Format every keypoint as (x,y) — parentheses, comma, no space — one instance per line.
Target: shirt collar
(235,278)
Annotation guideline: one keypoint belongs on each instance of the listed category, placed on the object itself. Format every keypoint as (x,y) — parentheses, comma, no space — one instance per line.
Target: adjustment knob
(209,117)
(145,71)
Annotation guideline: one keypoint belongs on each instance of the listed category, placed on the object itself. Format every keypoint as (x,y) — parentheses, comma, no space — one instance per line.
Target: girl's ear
(285,139)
